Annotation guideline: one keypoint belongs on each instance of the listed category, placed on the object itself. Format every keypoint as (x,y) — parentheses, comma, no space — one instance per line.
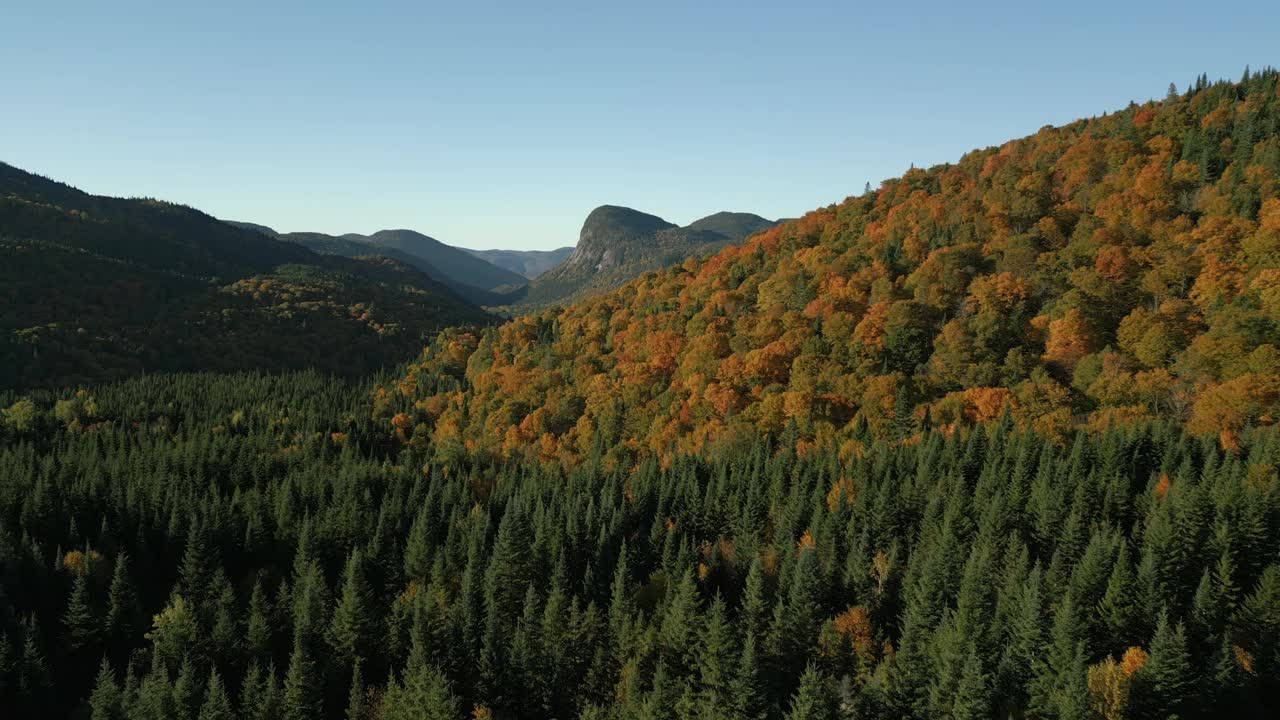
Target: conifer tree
(259,628)
(973,694)
(300,697)
(186,692)
(679,630)
(104,702)
(717,659)
(123,617)
(747,685)
(1167,679)
(350,628)
(83,626)
(814,699)
(216,706)
(356,695)
(423,694)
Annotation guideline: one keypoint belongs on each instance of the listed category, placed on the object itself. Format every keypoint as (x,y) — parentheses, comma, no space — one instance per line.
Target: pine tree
(795,622)
(973,694)
(717,658)
(351,626)
(216,706)
(155,696)
(198,560)
(814,700)
(310,605)
(104,703)
(754,611)
(356,696)
(1167,679)
(680,626)
(83,628)
(33,683)
(1118,607)
(301,696)
(226,635)
(259,696)
(123,615)
(424,694)
(259,628)
(186,692)
(417,550)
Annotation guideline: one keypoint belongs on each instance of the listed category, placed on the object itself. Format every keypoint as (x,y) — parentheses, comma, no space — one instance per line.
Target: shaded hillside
(617,244)
(269,232)
(95,288)
(456,264)
(1103,272)
(529,263)
(352,247)
(733,225)
(359,246)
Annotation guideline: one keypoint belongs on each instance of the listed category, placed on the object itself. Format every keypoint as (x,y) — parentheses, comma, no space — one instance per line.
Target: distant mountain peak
(618,243)
(610,233)
(269,232)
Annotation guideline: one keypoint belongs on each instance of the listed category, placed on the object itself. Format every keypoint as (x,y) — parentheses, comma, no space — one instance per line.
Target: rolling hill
(97,288)
(529,263)
(1096,274)
(451,266)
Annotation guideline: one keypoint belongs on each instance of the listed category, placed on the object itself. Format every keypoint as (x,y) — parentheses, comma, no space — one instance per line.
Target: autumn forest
(995,439)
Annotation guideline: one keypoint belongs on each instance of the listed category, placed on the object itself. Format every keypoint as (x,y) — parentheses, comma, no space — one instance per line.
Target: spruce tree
(104,702)
(300,697)
(216,706)
(814,699)
(717,658)
(259,627)
(356,695)
(351,625)
(80,619)
(186,692)
(1167,678)
(123,616)
(423,694)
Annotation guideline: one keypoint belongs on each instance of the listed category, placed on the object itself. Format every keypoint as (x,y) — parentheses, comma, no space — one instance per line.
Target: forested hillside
(95,288)
(239,546)
(995,440)
(1098,274)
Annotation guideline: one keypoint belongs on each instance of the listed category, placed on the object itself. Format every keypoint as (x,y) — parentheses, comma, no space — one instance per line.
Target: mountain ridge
(97,288)
(617,243)
(1097,274)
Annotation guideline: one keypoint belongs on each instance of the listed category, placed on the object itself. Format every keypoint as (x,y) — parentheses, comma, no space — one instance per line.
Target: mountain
(456,264)
(732,225)
(269,232)
(617,244)
(353,245)
(529,263)
(97,288)
(1099,274)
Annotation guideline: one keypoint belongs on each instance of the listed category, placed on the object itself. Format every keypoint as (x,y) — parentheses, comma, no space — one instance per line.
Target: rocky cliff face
(610,235)
(619,243)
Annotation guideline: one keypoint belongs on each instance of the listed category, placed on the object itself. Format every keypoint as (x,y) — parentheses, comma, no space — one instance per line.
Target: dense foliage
(996,440)
(1108,271)
(253,547)
(96,288)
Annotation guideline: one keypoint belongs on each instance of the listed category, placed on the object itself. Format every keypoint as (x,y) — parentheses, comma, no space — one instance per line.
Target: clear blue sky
(502,125)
